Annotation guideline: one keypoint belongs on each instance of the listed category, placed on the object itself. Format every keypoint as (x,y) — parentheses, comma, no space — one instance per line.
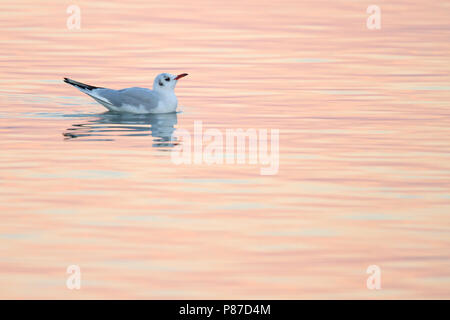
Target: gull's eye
(167,79)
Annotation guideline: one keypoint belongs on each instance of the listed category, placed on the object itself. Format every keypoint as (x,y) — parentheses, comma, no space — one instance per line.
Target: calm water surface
(364,175)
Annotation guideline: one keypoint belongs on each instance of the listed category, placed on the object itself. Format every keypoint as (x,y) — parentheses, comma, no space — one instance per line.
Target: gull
(161,99)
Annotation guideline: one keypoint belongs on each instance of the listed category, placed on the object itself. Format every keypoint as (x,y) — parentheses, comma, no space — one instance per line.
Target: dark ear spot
(160,83)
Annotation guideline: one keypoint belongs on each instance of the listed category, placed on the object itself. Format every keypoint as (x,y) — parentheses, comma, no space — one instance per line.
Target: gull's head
(166,81)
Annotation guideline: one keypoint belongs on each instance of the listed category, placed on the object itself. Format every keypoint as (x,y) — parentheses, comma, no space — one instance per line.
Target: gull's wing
(131,98)
(137,100)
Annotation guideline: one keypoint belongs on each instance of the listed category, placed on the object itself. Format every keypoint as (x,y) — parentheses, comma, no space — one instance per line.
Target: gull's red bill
(181,76)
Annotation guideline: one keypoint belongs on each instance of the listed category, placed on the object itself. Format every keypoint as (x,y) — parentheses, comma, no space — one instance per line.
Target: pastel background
(364,178)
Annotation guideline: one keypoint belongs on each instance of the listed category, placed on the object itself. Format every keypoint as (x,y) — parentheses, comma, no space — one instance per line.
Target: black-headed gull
(161,99)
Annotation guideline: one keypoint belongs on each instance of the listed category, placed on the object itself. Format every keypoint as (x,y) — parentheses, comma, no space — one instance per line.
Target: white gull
(161,99)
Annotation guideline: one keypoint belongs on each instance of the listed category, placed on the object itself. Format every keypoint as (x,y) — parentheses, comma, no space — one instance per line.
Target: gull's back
(135,99)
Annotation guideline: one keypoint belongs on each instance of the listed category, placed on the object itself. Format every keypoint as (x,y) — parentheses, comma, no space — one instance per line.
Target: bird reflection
(106,126)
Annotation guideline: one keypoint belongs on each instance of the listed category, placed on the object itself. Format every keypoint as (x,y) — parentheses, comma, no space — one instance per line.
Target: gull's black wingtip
(80,84)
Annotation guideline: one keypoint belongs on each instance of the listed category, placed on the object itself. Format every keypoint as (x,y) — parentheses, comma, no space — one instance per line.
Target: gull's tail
(80,85)
(91,91)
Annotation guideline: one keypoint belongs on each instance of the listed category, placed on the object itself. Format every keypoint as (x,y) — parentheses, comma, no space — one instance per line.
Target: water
(364,151)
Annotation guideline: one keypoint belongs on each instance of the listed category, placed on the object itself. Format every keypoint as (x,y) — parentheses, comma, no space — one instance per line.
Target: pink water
(364,172)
